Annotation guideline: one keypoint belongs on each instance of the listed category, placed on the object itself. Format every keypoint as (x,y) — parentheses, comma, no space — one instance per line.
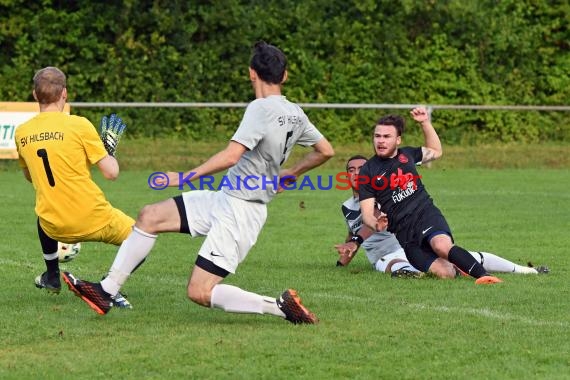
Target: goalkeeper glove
(112,128)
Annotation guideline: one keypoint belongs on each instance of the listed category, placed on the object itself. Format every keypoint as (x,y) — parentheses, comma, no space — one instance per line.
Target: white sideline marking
(16,263)
(491,314)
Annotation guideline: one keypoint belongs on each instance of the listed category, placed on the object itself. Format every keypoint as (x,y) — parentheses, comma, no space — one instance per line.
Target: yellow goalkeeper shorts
(115,232)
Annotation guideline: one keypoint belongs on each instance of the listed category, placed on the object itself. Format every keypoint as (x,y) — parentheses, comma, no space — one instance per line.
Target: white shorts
(231,225)
(383,262)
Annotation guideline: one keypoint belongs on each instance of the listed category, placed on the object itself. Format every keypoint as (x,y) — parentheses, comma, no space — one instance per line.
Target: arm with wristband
(348,250)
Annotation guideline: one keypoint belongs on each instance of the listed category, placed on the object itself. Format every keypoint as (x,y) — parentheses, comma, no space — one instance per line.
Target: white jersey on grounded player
(270,127)
(378,244)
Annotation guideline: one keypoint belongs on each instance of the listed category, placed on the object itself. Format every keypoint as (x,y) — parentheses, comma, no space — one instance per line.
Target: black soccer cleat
(90,292)
(406,273)
(542,269)
(290,304)
(52,285)
(121,301)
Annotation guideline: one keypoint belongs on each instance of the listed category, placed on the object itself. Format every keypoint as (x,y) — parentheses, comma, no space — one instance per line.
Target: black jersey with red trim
(396,186)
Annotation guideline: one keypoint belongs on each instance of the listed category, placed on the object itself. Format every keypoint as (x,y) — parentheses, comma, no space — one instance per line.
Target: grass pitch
(372,326)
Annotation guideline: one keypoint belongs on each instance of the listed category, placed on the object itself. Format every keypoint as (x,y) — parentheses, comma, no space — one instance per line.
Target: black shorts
(416,237)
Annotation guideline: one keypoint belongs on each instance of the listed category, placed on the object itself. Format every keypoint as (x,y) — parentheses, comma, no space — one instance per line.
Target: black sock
(52,267)
(467,263)
(49,247)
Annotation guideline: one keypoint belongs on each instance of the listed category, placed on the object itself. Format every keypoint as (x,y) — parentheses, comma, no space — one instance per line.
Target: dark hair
(268,62)
(356,157)
(49,82)
(396,121)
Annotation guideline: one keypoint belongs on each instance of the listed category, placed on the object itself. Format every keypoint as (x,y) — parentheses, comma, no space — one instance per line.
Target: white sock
(493,263)
(403,265)
(131,253)
(51,256)
(235,300)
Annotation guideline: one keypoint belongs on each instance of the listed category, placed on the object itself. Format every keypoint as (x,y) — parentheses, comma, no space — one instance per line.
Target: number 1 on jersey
(43,154)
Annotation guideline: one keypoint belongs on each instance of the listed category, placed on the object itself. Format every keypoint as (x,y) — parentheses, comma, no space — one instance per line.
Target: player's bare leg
(444,248)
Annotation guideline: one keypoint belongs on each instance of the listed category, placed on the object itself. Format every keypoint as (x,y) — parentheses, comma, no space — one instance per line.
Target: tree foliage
(486,52)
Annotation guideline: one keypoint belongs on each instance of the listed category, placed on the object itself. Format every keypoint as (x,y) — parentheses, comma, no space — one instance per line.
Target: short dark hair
(355,157)
(396,121)
(268,62)
(49,82)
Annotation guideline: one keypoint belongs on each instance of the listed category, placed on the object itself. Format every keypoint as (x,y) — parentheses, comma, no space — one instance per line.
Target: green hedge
(383,51)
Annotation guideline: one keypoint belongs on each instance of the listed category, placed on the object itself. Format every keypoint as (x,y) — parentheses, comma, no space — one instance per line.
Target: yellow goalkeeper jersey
(58,150)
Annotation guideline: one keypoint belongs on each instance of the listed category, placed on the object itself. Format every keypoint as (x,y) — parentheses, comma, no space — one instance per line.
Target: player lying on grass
(230,219)
(409,212)
(56,151)
(382,248)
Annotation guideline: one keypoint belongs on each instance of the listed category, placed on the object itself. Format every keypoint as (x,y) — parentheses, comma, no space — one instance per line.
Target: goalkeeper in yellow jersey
(56,151)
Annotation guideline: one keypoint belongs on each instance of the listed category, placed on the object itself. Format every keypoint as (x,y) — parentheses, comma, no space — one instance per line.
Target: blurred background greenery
(488,52)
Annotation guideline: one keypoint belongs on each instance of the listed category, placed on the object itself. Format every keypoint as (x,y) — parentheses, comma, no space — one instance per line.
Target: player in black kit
(391,182)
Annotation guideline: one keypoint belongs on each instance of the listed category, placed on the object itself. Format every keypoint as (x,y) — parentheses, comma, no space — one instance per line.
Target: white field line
(491,314)
(444,309)
(18,263)
(487,313)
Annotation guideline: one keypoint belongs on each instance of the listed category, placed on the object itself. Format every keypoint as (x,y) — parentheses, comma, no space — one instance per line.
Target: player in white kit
(232,218)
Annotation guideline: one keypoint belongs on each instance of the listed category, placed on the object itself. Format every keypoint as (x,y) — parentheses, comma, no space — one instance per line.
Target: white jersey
(378,244)
(269,129)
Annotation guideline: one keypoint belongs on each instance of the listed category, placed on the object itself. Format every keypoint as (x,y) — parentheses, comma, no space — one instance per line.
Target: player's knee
(441,249)
(447,274)
(442,273)
(199,295)
(147,217)
(442,270)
